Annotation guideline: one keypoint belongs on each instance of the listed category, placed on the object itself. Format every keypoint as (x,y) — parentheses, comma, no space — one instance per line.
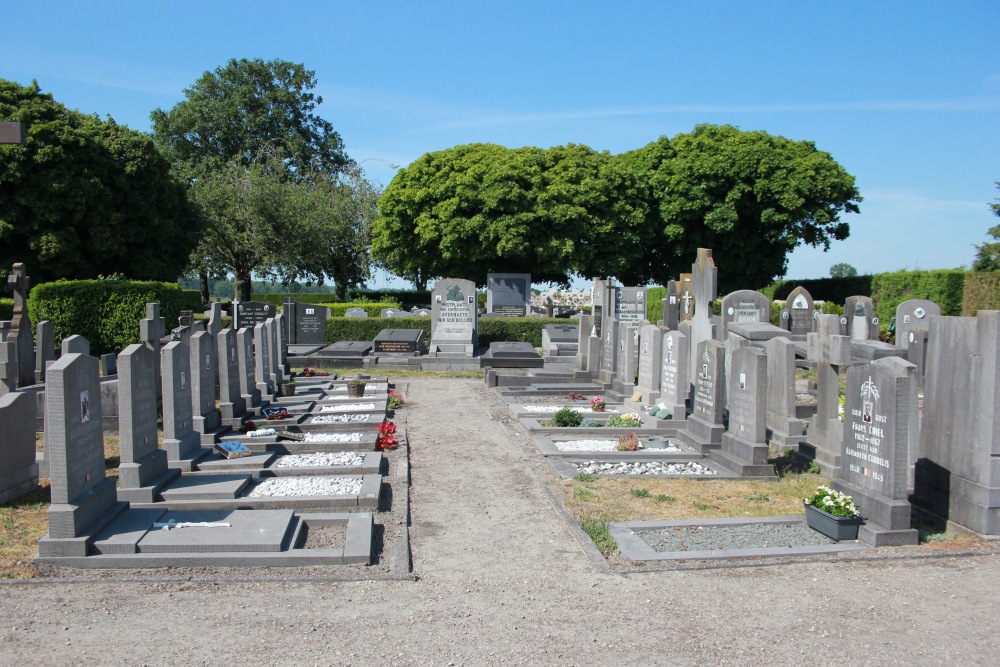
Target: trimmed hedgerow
(6,309)
(981,292)
(491,329)
(106,312)
(945,288)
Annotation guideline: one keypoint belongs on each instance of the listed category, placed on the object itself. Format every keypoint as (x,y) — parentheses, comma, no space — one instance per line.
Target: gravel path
(502,580)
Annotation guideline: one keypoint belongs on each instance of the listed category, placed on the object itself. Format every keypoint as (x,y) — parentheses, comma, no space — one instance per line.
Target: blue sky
(904,95)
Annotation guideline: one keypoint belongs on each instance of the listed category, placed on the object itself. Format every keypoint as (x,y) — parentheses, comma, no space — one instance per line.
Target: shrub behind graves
(945,288)
(373,309)
(6,308)
(366,328)
(982,292)
(107,312)
(515,329)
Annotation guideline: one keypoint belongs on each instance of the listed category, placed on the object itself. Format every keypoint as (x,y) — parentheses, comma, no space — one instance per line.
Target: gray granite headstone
(355,312)
(744,444)
(877,420)
(798,316)
(454,330)
(205,417)
(743,306)
(247,376)
(251,313)
(75,344)
(704,427)
(671,306)
(674,384)
(143,468)
(231,403)
(271,329)
(630,305)
(310,324)
(584,332)
(109,364)
(8,366)
(180,440)
(152,328)
(405,342)
(650,366)
(824,435)
(508,294)
(625,366)
(20,326)
(912,314)
(784,428)
(45,344)
(916,351)
(18,470)
(609,350)
(705,287)
(395,312)
(281,349)
(214,319)
(861,323)
(262,361)
(81,492)
(685,295)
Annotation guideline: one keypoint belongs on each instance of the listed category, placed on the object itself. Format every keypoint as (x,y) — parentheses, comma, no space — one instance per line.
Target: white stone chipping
(332,437)
(282,487)
(585,445)
(547,409)
(320,460)
(652,468)
(340,419)
(347,407)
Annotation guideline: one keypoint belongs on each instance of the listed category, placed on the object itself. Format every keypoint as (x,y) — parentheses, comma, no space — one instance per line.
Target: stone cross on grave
(684,288)
(20,326)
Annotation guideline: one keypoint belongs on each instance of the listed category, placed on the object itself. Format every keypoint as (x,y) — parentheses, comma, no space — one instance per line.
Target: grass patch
(663,498)
(596,526)
(585,477)
(640,493)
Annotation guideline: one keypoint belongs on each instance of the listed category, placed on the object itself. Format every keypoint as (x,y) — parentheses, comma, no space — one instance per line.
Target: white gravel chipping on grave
(281,487)
(556,408)
(585,445)
(339,419)
(333,437)
(347,407)
(320,460)
(643,468)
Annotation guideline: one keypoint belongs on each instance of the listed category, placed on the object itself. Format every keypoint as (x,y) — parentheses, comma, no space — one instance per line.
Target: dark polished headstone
(399,341)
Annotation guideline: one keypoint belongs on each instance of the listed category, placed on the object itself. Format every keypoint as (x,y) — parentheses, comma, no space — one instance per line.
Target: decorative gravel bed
(347,407)
(585,445)
(279,487)
(333,437)
(747,536)
(643,468)
(340,419)
(556,408)
(320,459)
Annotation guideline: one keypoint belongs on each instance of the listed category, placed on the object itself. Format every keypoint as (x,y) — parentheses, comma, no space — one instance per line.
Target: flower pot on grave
(835,527)
(356,390)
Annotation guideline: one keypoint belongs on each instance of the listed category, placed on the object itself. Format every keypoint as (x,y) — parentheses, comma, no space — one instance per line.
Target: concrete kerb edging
(403,556)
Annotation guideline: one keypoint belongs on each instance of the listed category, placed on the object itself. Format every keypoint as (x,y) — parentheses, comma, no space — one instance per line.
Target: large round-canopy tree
(85,197)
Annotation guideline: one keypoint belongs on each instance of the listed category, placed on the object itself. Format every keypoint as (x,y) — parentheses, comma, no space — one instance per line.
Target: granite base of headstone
(704,428)
(744,448)
(18,469)
(877,411)
(84,499)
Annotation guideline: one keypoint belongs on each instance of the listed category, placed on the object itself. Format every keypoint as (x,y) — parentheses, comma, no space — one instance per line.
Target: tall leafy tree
(750,196)
(473,209)
(86,196)
(988,254)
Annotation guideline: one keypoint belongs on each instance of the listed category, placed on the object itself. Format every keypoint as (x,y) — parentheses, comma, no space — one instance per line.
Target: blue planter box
(835,527)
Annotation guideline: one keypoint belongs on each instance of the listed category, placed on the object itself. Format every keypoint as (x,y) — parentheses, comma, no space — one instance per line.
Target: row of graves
(243,475)
(914,430)
(454,340)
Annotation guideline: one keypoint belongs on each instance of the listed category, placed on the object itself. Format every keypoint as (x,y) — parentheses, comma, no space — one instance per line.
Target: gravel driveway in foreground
(502,580)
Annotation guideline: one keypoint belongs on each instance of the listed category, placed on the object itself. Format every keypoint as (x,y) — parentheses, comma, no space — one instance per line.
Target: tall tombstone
(671,306)
(75,344)
(205,417)
(799,315)
(743,306)
(455,313)
(45,348)
(508,294)
(625,366)
(917,339)
(957,477)
(271,329)
(143,469)
(232,405)
(601,299)
(247,377)
(704,427)
(214,318)
(281,334)
(879,403)
(152,328)
(783,427)
(583,335)
(248,314)
(609,349)
(310,324)
(180,440)
(82,496)
(824,435)
(288,309)
(744,444)
(650,362)
(18,469)
(630,305)
(674,384)
(860,321)
(262,362)
(913,314)
(731,344)
(685,297)
(8,366)
(705,287)
(20,326)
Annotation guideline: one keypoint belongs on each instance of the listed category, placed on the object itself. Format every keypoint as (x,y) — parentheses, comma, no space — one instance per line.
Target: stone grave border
(547,446)
(371,464)
(566,469)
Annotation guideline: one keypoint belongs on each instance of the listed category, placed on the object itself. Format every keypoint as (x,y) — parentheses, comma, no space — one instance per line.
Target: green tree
(87,197)
(750,196)
(473,209)
(843,270)
(988,254)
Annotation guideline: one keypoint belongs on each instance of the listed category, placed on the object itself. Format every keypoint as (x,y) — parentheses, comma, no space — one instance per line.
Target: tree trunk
(206,297)
(242,288)
(340,289)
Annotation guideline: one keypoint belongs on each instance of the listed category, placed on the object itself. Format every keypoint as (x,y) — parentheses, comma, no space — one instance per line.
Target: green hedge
(491,329)
(945,288)
(407,298)
(305,297)
(106,312)
(6,309)
(981,292)
(654,303)
(373,309)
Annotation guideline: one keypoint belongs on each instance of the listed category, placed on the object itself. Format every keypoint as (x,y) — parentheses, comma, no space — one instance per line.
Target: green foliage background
(491,329)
